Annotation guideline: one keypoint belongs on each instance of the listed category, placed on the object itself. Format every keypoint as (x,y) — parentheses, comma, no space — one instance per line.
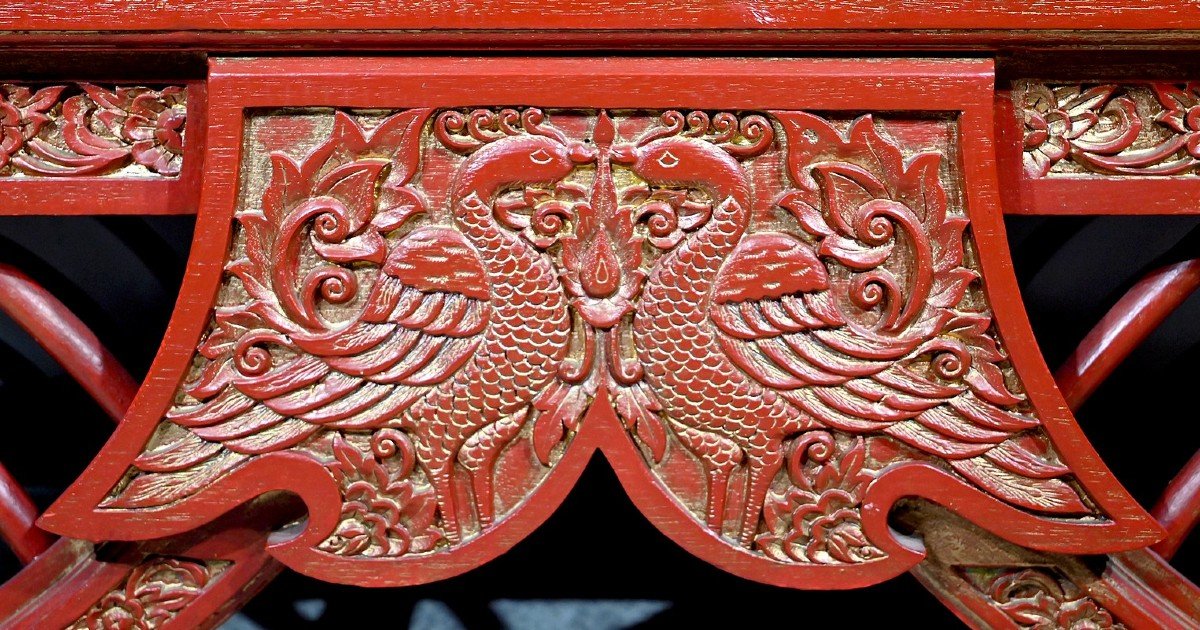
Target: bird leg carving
(762,468)
(719,457)
(479,455)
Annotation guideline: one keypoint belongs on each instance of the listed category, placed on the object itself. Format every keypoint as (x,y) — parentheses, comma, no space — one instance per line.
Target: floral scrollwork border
(1038,597)
(152,594)
(85,129)
(1109,129)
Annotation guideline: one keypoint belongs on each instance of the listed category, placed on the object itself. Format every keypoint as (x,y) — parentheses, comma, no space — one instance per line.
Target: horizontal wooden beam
(659,15)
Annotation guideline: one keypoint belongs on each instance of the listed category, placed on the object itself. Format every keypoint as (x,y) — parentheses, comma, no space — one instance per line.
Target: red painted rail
(76,348)
(68,340)
(1137,314)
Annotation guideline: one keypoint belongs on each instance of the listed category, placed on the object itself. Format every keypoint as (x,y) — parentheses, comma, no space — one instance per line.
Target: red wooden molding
(147,161)
(867,15)
(613,338)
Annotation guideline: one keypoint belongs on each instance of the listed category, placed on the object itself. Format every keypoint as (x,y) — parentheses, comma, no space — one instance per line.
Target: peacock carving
(858,320)
(452,327)
(782,313)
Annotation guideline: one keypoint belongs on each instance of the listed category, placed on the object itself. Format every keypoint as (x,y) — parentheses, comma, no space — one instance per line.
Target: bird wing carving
(942,396)
(416,331)
(868,321)
(303,351)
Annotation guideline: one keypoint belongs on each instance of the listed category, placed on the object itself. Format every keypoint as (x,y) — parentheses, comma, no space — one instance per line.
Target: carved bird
(463,323)
(750,338)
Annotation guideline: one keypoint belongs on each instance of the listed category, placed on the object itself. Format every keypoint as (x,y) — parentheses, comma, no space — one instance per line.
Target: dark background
(121,275)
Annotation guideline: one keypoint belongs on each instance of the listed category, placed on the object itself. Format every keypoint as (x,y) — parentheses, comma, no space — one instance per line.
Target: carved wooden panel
(1099,148)
(991,583)
(98,148)
(1039,598)
(777,317)
(1131,129)
(152,594)
(58,130)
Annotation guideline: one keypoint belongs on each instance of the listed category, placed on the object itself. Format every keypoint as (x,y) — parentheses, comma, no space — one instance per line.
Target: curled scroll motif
(422,307)
(1038,598)
(1133,129)
(152,594)
(63,131)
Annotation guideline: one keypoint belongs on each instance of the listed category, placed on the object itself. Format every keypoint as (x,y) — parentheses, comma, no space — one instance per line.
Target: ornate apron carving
(780,314)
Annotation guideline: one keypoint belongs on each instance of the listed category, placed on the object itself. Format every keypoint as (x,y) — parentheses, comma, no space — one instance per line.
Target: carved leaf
(641,411)
(560,408)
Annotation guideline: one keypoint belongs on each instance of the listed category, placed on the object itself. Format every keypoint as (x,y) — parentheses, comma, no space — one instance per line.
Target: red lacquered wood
(1144,591)
(64,582)
(117,194)
(1139,589)
(1179,508)
(991,584)
(281,42)
(17,516)
(1090,192)
(68,340)
(1092,195)
(69,582)
(95,196)
(1126,325)
(1137,314)
(825,85)
(77,349)
(226,15)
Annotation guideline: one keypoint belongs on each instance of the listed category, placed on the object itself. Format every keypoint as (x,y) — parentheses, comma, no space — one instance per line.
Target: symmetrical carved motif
(1145,129)
(90,130)
(151,595)
(780,307)
(1037,598)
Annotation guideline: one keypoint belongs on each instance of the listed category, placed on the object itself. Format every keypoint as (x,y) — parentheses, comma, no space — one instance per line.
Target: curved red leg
(68,340)
(1137,314)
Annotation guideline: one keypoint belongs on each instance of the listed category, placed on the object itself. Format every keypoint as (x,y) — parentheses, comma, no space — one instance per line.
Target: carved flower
(1181,111)
(885,220)
(151,121)
(817,519)
(1069,118)
(385,513)
(832,528)
(1035,599)
(1083,614)
(22,116)
(154,592)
